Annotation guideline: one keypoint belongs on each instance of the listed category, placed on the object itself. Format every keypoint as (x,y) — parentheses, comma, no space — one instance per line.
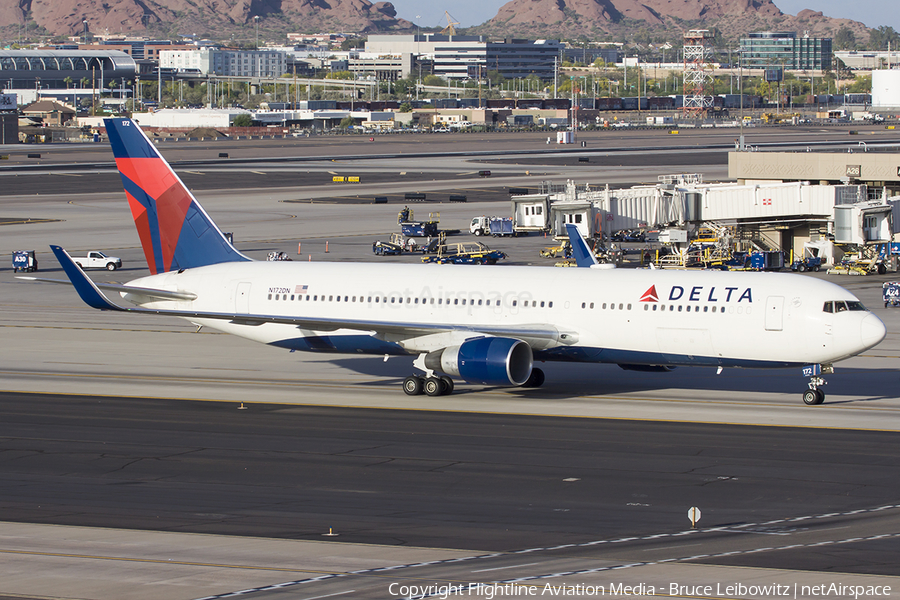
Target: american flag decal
(301,289)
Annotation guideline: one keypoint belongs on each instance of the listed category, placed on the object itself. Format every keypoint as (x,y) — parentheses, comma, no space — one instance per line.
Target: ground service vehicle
(96,259)
(890,292)
(24,260)
(465,253)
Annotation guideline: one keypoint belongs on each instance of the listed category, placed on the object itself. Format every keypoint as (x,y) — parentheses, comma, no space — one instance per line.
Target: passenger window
(514,302)
(629,306)
(338,298)
(604,306)
(550,305)
(270,296)
(654,307)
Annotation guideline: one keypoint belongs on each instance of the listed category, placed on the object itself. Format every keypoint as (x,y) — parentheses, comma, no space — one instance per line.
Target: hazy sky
(873,13)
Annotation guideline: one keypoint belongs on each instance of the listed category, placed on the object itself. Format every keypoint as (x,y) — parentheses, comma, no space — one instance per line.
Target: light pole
(256,19)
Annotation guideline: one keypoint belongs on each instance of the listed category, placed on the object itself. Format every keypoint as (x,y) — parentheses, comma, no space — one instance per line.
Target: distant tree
(861,85)
(433,80)
(346,123)
(880,37)
(353,44)
(844,39)
(406,107)
(243,120)
(341,75)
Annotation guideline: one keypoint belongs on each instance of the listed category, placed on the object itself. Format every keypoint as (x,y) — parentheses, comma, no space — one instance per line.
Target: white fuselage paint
(694,317)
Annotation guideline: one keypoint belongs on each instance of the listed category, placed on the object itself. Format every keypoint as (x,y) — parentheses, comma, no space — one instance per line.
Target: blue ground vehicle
(808,263)
(468,253)
(24,260)
(890,292)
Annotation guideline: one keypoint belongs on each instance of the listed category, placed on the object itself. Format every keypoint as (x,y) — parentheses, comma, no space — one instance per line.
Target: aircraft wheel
(412,385)
(446,385)
(433,386)
(813,397)
(536,379)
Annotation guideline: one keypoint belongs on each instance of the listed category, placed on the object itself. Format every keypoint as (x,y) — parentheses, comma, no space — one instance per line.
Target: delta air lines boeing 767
(485,325)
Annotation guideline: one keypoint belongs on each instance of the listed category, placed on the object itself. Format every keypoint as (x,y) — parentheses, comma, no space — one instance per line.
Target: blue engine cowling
(487,360)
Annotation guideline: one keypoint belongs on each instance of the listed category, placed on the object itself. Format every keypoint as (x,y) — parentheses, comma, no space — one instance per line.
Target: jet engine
(487,360)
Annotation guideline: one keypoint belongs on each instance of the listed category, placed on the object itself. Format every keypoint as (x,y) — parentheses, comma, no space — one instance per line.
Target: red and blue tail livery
(175,231)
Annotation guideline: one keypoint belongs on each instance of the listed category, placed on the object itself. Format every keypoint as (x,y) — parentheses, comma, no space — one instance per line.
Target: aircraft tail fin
(175,231)
(583,255)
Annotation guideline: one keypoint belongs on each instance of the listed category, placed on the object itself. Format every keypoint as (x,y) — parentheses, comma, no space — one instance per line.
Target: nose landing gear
(814,395)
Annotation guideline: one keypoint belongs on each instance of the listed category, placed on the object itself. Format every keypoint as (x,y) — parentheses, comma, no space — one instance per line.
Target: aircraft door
(774,313)
(242,298)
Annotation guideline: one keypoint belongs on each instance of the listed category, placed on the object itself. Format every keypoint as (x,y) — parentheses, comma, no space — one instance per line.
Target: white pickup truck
(98,260)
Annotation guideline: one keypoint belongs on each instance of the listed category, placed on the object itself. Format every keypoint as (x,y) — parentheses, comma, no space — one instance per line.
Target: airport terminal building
(61,69)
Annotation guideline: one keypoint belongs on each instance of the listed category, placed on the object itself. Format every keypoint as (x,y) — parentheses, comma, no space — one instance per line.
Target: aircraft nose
(872,330)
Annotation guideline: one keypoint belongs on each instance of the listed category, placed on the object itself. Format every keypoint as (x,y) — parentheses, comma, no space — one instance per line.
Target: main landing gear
(814,395)
(432,385)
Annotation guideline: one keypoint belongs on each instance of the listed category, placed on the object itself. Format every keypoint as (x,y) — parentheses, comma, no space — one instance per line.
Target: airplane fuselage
(640,317)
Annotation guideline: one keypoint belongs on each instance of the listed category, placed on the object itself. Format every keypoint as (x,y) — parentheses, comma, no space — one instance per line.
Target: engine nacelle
(487,360)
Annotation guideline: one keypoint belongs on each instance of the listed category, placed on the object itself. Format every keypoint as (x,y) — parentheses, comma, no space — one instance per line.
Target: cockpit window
(841,306)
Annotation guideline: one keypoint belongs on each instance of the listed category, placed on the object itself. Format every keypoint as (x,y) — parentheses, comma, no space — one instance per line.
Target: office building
(784,49)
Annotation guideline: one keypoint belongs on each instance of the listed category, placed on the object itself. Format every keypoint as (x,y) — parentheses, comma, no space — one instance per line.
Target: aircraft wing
(92,295)
(153,293)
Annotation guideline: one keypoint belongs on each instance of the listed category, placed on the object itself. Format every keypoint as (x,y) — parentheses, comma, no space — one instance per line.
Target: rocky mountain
(618,20)
(659,18)
(206,18)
